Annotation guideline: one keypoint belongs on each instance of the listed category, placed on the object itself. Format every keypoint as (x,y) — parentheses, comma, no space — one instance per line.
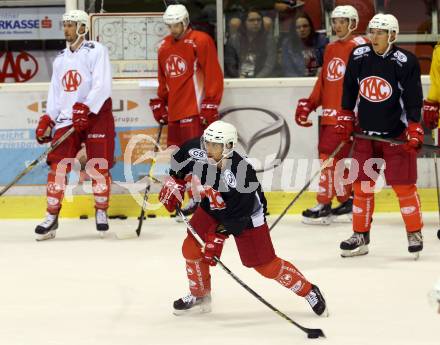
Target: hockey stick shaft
(314,331)
(392,141)
(324,165)
(147,188)
(38,160)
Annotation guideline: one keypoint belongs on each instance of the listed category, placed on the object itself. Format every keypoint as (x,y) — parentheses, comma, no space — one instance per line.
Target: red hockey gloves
(303,109)
(430,114)
(414,136)
(160,111)
(208,112)
(345,126)
(213,247)
(80,117)
(43,133)
(171,193)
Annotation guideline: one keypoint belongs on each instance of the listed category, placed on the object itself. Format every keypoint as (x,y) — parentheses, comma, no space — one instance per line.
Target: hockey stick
(392,141)
(324,165)
(150,177)
(311,332)
(34,163)
(147,189)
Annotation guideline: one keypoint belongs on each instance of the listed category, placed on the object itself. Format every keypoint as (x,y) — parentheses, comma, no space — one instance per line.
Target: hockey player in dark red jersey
(232,204)
(190,81)
(383,82)
(328,93)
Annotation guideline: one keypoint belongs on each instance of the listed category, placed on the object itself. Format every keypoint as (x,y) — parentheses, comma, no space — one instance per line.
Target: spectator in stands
(303,49)
(251,53)
(234,10)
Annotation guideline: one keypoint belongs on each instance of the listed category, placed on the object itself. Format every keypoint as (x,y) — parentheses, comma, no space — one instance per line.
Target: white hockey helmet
(176,14)
(77,16)
(384,22)
(346,11)
(221,132)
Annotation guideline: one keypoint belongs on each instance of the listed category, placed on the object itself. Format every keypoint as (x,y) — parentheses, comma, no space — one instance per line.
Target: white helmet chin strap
(225,154)
(390,44)
(78,35)
(349,30)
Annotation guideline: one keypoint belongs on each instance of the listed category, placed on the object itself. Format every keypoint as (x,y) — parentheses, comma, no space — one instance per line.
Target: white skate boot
(318,215)
(101,222)
(415,243)
(190,304)
(343,213)
(356,245)
(47,229)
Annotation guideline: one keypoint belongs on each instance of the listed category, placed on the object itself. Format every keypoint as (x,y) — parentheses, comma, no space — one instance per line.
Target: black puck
(312,335)
(151,215)
(438,234)
(118,216)
(83,216)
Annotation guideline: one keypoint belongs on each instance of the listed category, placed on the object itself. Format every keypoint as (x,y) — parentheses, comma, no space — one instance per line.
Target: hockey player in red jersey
(382,82)
(79,96)
(190,81)
(232,204)
(327,93)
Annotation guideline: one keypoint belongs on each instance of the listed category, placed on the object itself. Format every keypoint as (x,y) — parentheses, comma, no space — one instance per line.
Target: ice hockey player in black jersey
(232,204)
(383,82)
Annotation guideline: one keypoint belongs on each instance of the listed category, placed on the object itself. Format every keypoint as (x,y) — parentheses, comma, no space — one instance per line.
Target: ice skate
(47,229)
(343,213)
(101,222)
(317,301)
(318,215)
(415,243)
(190,304)
(356,245)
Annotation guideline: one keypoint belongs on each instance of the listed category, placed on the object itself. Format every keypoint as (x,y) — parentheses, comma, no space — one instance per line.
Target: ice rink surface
(79,289)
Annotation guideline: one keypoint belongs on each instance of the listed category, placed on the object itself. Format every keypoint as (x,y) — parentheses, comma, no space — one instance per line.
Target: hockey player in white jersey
(79,96)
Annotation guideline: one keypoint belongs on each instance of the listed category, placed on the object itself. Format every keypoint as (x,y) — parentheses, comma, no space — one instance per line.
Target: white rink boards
(79,289)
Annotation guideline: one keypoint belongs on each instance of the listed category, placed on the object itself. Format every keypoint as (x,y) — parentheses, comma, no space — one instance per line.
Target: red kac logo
(216,201)
(21,67)
(375,89)
(335,69)
(71,80)
(175,66)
